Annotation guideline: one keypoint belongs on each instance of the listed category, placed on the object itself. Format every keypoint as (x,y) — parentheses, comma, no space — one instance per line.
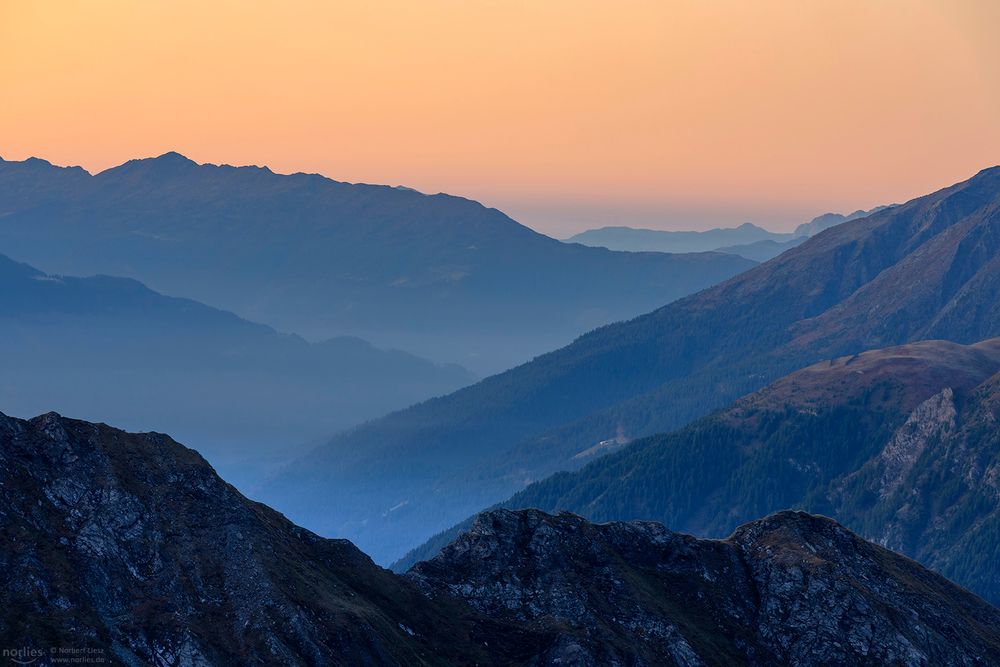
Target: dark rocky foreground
(790,589)
(130,546)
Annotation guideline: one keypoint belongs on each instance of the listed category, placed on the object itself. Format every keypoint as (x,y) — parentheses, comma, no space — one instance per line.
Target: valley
(928,268)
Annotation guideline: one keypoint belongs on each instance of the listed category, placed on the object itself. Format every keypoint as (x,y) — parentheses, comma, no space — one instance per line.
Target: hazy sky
(564,114)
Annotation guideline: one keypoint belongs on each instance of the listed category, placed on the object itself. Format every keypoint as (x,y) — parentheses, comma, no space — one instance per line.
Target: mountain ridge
(438,275)
(748,240)
(242,391)
(636,593)
(128,547)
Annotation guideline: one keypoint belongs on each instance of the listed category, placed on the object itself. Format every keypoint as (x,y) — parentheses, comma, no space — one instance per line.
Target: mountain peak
(37,161)
(796,522)
(170,163)
(173,157)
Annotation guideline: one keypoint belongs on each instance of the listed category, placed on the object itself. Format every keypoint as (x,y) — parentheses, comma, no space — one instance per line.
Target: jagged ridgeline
(130,547)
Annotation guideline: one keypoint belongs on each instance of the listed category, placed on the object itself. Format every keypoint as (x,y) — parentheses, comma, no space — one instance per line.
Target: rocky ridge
(790,589)
(129,547)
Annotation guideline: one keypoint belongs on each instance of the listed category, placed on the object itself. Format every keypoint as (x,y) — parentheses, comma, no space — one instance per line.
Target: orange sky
(565,114)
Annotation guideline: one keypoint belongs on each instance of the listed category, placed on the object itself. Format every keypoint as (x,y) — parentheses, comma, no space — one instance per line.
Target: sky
(564,114)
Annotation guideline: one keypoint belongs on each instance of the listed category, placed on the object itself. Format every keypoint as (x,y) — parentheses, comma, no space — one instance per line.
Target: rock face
(130,545)
(791,589)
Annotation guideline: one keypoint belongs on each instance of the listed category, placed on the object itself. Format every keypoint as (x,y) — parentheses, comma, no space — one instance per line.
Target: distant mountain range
(747,240)
(632,239)
(899,444)
(927,269)
(128,549)
(110,349)
(440,276)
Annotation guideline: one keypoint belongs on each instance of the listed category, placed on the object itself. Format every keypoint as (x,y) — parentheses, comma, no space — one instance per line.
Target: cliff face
(933,492)
(789,589)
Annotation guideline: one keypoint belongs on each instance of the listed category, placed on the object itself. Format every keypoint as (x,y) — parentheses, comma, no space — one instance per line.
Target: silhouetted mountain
(438,275)
(926,269)
(656,240)
(899,444)
(110,349)
(791,589)
(129,549)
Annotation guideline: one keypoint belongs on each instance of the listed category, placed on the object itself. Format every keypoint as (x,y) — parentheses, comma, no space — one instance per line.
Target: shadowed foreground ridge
(793,588)
(130,544)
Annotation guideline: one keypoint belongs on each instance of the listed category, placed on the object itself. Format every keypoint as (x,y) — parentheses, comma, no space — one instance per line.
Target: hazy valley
(393,483)
(110,349)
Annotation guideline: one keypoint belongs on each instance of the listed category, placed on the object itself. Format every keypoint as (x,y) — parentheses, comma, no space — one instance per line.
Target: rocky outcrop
(933,492)
(791,589)
(933,419)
